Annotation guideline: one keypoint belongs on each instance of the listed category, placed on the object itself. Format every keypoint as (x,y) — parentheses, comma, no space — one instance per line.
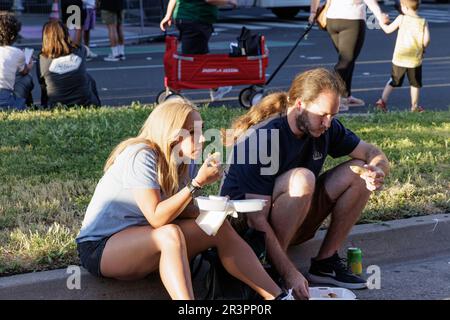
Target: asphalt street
(140,77)
(427,279)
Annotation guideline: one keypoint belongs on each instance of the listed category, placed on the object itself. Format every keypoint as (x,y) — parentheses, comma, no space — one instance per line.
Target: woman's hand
(209,172)
(166,22)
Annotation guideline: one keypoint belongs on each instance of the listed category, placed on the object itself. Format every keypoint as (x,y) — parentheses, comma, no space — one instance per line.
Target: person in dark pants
(62,70)
(194,20)
(346,23)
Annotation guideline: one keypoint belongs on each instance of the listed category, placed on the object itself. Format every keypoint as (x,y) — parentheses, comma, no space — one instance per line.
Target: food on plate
(359,170)
(331,295)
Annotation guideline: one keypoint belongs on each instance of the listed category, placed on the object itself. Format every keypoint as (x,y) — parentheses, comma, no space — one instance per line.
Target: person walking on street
(89,7)
(346,25)
(112,12)
(412,39)
(194,20)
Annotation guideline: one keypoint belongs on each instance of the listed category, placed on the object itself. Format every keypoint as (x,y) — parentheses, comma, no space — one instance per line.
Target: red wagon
(205,71)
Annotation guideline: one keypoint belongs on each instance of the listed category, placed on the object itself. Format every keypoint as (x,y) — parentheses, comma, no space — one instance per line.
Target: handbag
(321,15)
(248,44)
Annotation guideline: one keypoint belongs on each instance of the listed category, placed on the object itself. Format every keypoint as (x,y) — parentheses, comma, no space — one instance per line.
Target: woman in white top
(346,23)
(15,82)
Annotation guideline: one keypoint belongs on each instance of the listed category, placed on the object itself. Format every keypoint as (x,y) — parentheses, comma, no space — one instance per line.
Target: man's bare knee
(302,182)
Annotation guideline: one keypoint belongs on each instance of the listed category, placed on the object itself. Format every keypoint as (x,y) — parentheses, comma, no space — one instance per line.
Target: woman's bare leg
(236,255)
(137,251)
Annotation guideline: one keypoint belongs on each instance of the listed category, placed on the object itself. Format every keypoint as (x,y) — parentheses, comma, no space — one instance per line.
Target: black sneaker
(333,270)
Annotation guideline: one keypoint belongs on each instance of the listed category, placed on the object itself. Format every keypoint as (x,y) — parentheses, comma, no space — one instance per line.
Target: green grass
(50,162)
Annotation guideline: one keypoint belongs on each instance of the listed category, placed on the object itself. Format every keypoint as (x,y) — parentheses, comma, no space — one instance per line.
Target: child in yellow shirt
(412,39)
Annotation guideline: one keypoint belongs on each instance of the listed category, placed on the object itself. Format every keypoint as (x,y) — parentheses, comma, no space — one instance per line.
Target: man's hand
(374,177)
(299,285)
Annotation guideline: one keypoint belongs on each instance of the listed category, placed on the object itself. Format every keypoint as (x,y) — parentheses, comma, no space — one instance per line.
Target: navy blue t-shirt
(254,170)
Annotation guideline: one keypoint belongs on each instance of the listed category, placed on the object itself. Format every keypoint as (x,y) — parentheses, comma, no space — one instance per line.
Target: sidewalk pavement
(32,24)
(395,242)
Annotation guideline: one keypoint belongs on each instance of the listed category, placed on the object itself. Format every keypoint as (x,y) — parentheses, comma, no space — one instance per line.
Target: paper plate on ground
(328,293)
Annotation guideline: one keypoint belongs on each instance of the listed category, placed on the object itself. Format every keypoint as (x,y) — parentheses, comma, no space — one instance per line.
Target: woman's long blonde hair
(307,86)
(160,133)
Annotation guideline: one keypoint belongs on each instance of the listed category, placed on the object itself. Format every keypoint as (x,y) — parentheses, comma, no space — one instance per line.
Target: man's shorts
(89,22)
(111,17)
(398,74)
(321,206)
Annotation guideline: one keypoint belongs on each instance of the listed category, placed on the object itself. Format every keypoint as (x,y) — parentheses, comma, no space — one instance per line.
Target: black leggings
(194,36)
(348,39)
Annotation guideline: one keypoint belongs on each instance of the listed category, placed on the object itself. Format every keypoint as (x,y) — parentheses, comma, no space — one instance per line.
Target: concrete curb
(393,241)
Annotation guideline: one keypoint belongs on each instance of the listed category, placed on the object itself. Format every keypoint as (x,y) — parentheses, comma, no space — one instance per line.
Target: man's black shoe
(333,270)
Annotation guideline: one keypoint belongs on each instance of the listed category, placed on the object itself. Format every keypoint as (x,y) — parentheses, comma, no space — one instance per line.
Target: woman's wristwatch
(193,187)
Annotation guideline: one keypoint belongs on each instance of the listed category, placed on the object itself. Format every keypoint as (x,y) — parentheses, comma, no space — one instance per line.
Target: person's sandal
(381,105)
(418,109)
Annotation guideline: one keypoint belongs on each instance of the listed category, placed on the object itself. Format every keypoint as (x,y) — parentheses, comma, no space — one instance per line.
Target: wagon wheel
(162,96)
(256,97)
(244,97)
(174,95)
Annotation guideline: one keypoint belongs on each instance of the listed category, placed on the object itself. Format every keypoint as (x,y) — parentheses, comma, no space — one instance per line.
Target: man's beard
(303,124)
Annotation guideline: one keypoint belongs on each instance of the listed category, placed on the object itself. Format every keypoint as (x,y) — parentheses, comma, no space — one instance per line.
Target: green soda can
(354,260)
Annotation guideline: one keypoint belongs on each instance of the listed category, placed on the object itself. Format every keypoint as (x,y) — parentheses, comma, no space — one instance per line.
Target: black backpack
(249,44)
(222,285)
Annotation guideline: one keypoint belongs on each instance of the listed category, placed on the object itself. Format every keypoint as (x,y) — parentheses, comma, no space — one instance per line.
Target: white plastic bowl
(212,204)
(249,205)
(323,293)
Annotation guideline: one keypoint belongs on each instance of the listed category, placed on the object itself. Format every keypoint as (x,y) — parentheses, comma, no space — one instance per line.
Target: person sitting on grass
(412,39)
(141,218)
(62,70)
(16,83)
(300,130)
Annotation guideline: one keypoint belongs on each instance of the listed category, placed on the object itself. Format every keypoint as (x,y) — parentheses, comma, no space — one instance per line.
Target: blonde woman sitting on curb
(141,217)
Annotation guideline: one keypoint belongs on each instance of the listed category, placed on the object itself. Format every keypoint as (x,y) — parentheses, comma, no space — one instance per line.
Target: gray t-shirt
(113,207)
